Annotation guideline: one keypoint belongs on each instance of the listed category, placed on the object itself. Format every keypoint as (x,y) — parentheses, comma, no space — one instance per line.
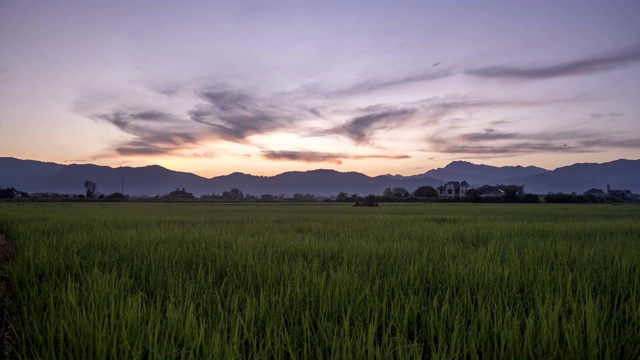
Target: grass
(436,281)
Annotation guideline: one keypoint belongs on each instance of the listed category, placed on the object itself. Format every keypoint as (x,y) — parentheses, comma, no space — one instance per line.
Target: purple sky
(263,87)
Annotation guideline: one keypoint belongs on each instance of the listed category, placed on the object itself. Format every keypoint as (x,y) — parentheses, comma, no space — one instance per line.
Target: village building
(494,191)
(595,192)
(624,194)
(453,189)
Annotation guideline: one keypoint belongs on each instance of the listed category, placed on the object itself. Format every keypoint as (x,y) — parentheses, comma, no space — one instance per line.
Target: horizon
(329,169)
(379,88)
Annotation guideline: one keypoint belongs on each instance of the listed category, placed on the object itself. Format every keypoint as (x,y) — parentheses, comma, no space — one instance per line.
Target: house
(596,192)
(623,194)
(453,189)
(492,191)
(180,194)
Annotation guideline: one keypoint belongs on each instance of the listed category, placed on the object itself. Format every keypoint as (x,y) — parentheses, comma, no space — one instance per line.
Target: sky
(264,87)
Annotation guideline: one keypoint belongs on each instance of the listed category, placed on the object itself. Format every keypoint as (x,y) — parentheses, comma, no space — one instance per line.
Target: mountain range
(36,176)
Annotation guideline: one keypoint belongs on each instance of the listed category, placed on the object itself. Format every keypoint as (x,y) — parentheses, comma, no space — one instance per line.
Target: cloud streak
(235,115)
(156,133)
(360,128)
(491,143)
(313,157)
(588,65)
(381,84)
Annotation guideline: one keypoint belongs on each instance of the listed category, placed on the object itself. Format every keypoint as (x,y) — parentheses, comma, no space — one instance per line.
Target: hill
(35,176)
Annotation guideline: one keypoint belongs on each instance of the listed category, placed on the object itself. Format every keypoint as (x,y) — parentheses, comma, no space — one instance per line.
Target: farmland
(200,281)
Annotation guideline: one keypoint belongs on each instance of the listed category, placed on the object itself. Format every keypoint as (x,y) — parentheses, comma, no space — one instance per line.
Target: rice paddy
(322,281)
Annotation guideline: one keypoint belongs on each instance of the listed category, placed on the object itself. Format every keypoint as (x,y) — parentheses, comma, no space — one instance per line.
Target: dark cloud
(315,112)
(605,115)
(361,127)
(492,142)
(236,115)
(141,150)
(312,156)
(164,138)
(152,116)
(513,148)
(577,67)
(488,134)
(390,157)
(379,84)
(305,156)
(223,114)
(612,143)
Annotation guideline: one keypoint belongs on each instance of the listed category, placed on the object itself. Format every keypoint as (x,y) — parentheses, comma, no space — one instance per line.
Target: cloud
(152,116)
(612,143)
(492,142)
(419,116)
(155,133)
(598,116)
(235,115)
(360,128)
(510,149)
(488,134)
(312,156)
(224,115)
(304,156)
(587,65)
(380,84)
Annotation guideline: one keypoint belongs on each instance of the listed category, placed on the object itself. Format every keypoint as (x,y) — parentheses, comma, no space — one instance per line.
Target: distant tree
(90,189)
(387,192)
(400,192)
(425,192)
(11,193)
(233,194)
(342,197)
(115,195)
(511,192)
(180,194)
(369,200)
(266,197)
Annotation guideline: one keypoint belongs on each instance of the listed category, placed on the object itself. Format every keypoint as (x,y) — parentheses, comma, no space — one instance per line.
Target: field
(327,281)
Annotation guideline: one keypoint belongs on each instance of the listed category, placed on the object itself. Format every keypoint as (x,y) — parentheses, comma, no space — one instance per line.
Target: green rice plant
(328,281)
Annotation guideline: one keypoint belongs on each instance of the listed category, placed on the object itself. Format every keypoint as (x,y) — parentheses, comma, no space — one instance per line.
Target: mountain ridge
(36,176)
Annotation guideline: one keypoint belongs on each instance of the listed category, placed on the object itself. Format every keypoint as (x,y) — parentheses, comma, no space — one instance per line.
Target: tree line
(483,194)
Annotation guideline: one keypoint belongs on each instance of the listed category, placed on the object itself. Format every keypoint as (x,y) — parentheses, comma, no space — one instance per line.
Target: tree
(342,197)
(425,192)
(233,194)
(115,195)
(267,197)
(369,200)
(90,188)
(400,192)
(511,192)
(11,193)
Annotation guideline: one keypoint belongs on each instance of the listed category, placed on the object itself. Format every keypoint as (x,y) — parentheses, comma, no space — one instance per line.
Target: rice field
(322,281)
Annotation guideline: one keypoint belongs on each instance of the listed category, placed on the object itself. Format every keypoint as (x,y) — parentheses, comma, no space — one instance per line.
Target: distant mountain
(620,174)
(34,176)
(478,175)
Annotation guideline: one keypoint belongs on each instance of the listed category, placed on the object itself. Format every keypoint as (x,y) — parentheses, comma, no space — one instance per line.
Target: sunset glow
(377,87)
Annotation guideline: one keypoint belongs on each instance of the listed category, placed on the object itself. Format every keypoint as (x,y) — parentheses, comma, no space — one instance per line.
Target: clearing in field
(202,281)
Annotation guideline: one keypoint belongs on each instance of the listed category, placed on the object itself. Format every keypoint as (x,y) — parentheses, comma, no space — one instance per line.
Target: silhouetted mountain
(620,174)
(477,175)
(34,176)
(29,174)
